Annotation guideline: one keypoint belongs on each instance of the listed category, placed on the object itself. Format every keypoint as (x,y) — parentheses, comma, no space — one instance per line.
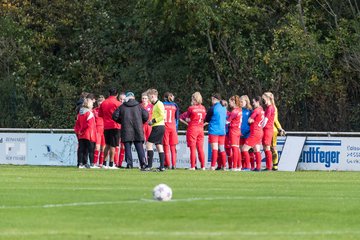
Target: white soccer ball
(162,192)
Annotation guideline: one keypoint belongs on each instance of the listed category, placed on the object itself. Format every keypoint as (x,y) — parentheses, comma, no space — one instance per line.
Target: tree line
(306,52)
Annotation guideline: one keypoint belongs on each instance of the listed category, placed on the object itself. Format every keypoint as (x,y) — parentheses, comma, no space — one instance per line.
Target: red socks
(201,154)
(173,155)
(243,163)
(122,155)
(101,160)
(268,156)
(252,160)
(230,157)
(96,157)
(236,157)
(116,156)
(192,156)
(258,160)
(223,159)
(214,157)
(246,157)
(167,151)
(167,155)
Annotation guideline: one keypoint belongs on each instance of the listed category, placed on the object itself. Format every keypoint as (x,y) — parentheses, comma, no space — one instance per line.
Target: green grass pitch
(69,203)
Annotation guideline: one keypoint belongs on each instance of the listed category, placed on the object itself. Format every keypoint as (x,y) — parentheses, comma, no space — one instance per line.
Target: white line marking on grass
(72,188)
(75,204)
(236,233)
(80,204)
(185,233)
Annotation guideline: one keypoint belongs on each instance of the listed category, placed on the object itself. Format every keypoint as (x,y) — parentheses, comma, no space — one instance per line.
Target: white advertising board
(331,154)
(52,149)
(328,153)
(290,153)
(13,148)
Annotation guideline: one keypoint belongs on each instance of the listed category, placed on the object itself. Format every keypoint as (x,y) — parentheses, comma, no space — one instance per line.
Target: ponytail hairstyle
(236,99)
(247,100)
(272,98)
(269,96)
(197,97)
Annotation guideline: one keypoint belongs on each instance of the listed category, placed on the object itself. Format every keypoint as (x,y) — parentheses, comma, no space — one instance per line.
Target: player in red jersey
(170,136)
(111,128)
(92,98)
(234,121)
(120,148)
(268,128)
(194,118)
(277,130)
(100,138)
(227,140)
(256,133)
(148,107)
(85,129)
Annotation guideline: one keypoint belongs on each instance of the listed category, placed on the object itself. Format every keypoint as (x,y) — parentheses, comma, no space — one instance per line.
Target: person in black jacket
(132,116)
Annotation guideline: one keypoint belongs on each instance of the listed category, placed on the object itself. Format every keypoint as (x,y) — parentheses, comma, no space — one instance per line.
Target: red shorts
(242,141)
(170,137)
(100,138)
(147,131)
(267,138)
(195,136)
(217,139)
(254,139)
(234,136)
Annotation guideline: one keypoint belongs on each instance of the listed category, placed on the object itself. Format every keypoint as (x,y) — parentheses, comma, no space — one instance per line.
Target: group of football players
(236,128)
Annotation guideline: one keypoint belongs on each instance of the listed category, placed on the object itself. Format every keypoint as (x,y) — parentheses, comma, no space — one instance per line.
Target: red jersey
(234,118)
(149,109)
(170,116)
(258,117)
(99,120)
(85,126)
(270,115)
(106,110)
(196,114)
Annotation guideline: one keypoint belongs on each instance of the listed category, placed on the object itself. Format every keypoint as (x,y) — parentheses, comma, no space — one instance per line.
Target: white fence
(322,150)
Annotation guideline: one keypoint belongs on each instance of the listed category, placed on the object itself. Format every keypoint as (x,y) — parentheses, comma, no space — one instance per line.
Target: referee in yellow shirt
(157,132)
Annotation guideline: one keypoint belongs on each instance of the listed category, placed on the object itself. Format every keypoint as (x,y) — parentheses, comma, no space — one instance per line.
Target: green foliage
(306,52)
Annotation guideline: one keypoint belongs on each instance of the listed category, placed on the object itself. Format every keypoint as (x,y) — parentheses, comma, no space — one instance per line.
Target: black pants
(85,151)
(140,152)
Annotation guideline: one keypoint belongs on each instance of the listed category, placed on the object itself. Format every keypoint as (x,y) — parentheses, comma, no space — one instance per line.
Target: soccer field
(71,203)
